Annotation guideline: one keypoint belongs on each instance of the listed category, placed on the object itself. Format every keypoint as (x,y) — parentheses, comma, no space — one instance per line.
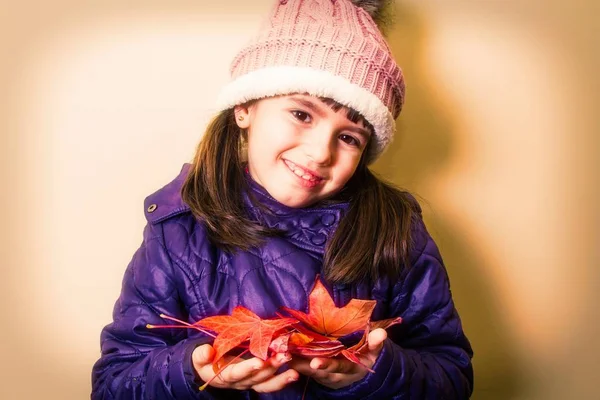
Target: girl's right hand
(241,374)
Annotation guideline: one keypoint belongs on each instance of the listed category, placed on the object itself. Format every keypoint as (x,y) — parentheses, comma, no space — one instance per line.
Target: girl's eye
(301,116)
(350,140)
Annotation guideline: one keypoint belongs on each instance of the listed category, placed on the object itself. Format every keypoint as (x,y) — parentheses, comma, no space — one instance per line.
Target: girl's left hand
(336,373)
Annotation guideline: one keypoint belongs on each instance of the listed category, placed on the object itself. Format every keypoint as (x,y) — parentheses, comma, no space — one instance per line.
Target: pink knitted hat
(326,48)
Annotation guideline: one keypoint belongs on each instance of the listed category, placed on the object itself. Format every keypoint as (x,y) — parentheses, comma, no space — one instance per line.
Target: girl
(278,193)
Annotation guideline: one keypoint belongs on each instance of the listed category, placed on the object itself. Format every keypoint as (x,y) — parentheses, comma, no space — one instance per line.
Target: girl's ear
(242,117)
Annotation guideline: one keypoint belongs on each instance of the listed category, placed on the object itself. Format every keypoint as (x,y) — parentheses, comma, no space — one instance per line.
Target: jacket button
(151,208)
(318,239)
(328,219)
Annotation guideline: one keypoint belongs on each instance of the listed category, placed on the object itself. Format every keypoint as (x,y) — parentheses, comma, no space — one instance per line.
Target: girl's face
(299,149)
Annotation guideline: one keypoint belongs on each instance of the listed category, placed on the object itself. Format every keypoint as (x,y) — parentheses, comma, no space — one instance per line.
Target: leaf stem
(186,325)
(221,370)
(305,387)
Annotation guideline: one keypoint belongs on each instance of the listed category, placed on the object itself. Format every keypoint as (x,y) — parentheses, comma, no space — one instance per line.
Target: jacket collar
(308,228)
(167,202)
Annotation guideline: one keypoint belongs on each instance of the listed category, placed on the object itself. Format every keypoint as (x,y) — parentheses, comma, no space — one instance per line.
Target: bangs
(351,113)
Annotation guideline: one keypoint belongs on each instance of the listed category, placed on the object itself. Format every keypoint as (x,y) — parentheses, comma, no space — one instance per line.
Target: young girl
(278,193)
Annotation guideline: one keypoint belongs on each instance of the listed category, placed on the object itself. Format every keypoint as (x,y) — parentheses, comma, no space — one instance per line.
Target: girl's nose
(319,148)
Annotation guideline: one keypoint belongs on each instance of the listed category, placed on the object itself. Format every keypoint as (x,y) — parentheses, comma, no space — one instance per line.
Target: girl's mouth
(302,173)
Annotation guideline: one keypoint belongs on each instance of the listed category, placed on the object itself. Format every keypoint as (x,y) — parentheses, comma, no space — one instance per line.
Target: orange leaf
(327,319)
(385,323)
(330,348)
(240,326)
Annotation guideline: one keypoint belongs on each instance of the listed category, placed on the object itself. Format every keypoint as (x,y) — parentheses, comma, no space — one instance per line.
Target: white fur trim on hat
(280,80)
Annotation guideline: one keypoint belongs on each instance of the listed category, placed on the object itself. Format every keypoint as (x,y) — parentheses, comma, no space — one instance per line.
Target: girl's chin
(298,200)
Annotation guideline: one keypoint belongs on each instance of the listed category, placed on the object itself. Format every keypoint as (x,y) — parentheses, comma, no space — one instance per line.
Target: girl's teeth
(304,175)
(300,172)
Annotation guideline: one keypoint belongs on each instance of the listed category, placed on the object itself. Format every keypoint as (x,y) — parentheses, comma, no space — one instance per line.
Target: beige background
(101,104)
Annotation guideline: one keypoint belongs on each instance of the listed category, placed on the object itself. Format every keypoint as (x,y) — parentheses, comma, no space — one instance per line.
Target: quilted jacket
(178,272)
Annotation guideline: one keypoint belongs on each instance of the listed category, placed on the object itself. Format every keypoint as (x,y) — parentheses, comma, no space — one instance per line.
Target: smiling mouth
(302,173)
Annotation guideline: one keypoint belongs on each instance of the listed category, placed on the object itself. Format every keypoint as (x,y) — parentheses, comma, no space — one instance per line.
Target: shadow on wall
(421,149)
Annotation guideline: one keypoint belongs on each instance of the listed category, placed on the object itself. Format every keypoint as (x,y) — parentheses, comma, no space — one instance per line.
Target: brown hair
(377,210)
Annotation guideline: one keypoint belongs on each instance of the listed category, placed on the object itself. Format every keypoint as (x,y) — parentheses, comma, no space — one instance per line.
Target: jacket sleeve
(427,356)
(137,362)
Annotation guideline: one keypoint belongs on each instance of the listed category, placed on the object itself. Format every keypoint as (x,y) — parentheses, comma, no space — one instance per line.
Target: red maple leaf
(304,345)
(310,335)
(232,330)
(325,318)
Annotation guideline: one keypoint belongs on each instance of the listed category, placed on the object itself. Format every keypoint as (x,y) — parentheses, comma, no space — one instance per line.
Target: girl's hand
(253,373)
(336,373)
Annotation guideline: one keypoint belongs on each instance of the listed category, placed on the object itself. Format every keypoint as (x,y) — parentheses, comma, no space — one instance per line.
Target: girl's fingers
(375,344)
(333,373)
(376,339)
(332,365)
(302,365)
(277,382)
(318,368)
(268,370)
(202,355)
(245,373)
(240,371)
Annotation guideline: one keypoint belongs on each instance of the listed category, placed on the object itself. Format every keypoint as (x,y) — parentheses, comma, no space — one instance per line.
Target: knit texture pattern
(331,36)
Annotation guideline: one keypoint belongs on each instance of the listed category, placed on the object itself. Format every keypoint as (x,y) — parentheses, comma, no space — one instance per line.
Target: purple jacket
(178,272)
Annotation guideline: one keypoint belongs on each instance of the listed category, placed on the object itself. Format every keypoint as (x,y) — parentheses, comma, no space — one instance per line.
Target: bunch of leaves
(313,334)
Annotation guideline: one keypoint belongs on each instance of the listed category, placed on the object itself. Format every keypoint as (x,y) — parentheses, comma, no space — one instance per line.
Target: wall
(101,104)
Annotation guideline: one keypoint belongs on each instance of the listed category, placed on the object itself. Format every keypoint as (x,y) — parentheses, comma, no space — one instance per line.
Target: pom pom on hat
(326,48)
(377,9)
